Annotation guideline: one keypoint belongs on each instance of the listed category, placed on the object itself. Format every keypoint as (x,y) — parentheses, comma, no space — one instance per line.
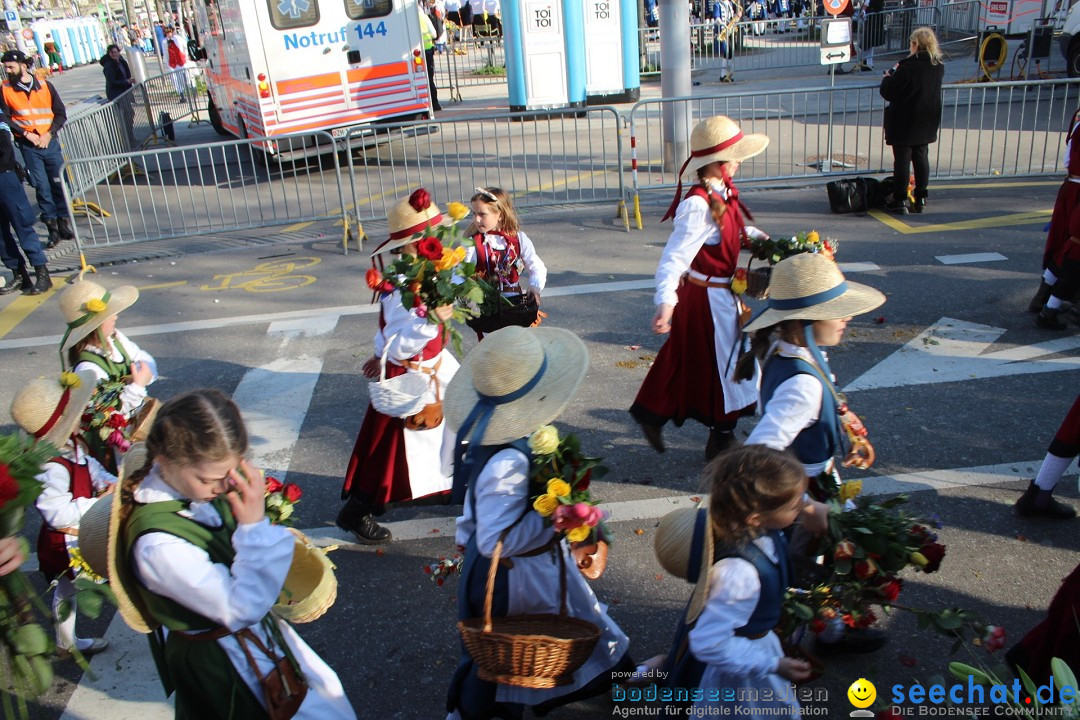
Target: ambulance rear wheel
(1074,59)
(215,118)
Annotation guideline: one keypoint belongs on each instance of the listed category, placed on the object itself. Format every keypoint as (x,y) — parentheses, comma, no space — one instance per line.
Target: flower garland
(280,500)
(103,419)
(559,466)
(773,250)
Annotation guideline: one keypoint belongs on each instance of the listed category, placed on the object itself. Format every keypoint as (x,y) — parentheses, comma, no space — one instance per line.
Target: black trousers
(429,57)
(905,157)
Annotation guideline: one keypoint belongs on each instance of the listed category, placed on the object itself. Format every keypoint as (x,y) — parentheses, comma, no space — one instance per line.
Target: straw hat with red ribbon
(87,305)
(50,409)
(409,218)
(717,139)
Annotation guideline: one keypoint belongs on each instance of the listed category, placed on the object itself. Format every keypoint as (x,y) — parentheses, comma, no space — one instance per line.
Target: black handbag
(519,310)
(853,195)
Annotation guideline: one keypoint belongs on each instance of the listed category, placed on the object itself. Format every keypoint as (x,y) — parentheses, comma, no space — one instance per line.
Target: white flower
(544,441)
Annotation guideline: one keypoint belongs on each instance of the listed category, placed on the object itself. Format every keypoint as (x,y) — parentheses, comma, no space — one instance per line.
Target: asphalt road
(288,339)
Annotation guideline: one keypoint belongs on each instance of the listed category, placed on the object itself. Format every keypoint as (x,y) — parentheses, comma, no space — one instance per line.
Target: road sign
(835,55)
(11,16)
(835,7)
(28,33)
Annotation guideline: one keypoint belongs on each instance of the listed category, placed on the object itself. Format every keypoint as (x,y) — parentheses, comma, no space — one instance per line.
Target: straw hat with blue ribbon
(514,382)
(86,306)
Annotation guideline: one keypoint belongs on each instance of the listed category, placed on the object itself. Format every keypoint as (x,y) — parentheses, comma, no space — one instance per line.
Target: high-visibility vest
(31,112)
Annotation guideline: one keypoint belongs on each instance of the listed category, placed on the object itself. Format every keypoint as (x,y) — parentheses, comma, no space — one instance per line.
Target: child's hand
(247,497)
(534,295)
(444,312)
(141,374)
(11,555)
(661,323)
(794,670)
(372,366)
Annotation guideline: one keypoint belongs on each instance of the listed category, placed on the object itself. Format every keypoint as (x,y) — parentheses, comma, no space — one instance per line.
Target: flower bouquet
(104,427)
(280,499)
(772,250)
(564,474)
(437,275)
(443,568)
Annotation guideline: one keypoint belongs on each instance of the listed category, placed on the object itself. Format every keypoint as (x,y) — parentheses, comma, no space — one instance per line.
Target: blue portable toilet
(76,51)
(610,59)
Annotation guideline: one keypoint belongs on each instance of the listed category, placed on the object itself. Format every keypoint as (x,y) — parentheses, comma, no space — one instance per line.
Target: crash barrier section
(1014,129)
(470,62)
(542,157)
(211,188)
(795,42)
(112,131)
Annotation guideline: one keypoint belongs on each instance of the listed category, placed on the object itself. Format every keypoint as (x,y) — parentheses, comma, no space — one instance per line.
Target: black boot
(919,206)
(720,441)
(63,227)
(1048,319)
(54,234)
(1041,296)
(42,281)
(899,207)
(356,517)
(1036,502)
(19,278)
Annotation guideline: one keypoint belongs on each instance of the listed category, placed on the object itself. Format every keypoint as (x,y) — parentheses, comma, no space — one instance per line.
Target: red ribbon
(51,422)
(693,154)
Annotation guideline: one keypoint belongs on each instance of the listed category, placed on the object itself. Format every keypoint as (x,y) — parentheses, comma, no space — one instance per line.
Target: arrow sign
(954,350)
(834,55)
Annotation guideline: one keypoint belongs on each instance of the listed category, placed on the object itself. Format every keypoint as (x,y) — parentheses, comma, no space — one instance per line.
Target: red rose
(890,590)
(845,550)
(292,492)
(848,620)
(273,485)
(583,483)
(117,421)
(9,488)
(934,553)
(420,199)
(429,248)
(387,287)
(817,625)
(867,619)
(373,278)
(865,569)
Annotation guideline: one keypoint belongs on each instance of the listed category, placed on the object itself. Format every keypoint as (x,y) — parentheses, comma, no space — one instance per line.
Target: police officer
(37,113)
(15,211)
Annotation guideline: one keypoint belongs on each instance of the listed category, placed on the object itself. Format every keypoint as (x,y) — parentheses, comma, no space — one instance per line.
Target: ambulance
(275,67)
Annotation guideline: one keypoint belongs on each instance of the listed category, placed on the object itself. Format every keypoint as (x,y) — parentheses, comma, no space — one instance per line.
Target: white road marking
(854,267)
(970,258)
(954,350)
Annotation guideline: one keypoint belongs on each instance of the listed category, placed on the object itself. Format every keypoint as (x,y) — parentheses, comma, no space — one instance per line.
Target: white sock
(65,628)
(1049,277)
(1053,467)
(869,59)
(1054,302)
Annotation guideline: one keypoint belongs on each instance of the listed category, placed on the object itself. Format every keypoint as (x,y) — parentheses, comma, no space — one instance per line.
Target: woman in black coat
(117,73)
(913,116)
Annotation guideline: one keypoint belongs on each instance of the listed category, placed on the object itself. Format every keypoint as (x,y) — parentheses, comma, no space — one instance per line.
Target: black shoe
(853,641)
(1036,502)
(866,68)
(898,208)
(42,281)
(720,441)
(654,434)
(919,206)
(1041,296)
(16,282)
(54,234)
(357,519)
(1048,319)
(64,229)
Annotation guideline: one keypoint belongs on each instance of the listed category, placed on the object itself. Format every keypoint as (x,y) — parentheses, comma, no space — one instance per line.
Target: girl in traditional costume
(191,552)
(50,411)
(1038,500)
(692,375)
(510,385)
(400,460)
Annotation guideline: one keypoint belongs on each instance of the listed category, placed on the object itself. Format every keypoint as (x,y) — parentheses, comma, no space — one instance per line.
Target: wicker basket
(310,587)
(757,282)
(399,396)
(532,651)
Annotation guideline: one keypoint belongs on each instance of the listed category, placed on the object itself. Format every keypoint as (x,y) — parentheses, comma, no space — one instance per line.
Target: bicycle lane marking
(21,307)
(1035,217)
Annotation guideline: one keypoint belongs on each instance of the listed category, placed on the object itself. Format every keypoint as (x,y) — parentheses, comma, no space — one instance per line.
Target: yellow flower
(919,559)
(579,533)
(95,305)
(850,490)
(813,237)
(558,487)
(546,504)
(544,441)
(70,380)
(738,285)
(449,258)
(457,210)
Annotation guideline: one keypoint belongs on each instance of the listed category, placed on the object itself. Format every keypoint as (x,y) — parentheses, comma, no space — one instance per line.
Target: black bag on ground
(854,195)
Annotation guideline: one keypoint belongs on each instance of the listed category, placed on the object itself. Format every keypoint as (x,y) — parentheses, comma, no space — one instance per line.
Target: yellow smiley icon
(862,693)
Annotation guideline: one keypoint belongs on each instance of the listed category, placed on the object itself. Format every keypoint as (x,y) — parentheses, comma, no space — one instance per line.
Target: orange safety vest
(31,112)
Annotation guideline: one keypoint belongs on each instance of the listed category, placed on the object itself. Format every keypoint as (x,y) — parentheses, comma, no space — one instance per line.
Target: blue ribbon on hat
(697,545)
(809,300)
(479,417)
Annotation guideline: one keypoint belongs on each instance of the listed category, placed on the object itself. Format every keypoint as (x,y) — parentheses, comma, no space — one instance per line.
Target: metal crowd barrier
(470,62)
(542,157)
(211,188)
(988,129)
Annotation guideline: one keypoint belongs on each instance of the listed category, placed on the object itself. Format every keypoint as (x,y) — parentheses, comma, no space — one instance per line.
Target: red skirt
(1066,443)
(684,382)
(1064,223)
(1056,636)
(52,553)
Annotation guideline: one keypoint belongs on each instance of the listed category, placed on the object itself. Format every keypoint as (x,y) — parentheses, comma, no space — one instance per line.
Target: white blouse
(534,266)
(55,503)
(132,395)
(413,332)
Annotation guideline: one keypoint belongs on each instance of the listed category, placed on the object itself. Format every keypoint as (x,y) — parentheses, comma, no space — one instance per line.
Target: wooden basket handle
(494,567)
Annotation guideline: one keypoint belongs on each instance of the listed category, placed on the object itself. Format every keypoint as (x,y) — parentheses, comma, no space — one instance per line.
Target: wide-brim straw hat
(50,409)
(553,360)
(99,531)
(676,537)
(87,305)
(411,217)
(720,139)
(810,286)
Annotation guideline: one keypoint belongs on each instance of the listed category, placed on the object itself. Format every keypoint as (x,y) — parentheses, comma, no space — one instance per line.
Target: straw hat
(98,531)
(50,408)
(809,286)
(410,217)
(719,138)
(87,305)
(553,360)
(674,544)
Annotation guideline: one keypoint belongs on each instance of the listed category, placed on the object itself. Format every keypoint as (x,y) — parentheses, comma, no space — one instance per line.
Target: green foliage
(773,250)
